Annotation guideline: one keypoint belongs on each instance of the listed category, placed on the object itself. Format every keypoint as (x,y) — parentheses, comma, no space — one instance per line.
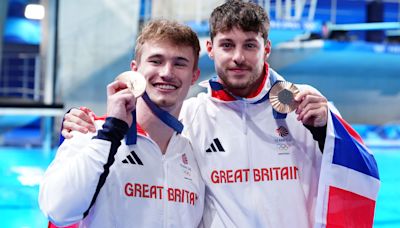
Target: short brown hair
(171,31)
(247,16)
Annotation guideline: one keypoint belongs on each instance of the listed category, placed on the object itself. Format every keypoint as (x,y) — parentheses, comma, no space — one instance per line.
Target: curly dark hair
(247,16)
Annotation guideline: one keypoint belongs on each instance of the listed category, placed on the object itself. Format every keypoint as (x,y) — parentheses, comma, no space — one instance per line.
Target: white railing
(20,77)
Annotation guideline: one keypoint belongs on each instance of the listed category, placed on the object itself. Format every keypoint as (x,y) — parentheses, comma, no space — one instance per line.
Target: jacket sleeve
(74,178)
(319,133)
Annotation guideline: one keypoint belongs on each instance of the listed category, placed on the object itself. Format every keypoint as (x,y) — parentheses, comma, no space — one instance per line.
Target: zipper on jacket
(165,200)
(249,157)
(244,118)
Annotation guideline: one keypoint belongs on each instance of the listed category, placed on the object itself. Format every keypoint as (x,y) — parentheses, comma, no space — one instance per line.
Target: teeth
(163,86)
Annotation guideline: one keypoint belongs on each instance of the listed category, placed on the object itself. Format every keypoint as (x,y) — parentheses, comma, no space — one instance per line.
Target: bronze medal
(135,82)
(281,97)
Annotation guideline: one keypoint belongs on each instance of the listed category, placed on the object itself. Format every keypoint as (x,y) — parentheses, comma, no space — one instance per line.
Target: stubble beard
(233,86)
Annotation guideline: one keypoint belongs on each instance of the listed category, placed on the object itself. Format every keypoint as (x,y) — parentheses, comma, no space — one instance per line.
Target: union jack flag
(349,180)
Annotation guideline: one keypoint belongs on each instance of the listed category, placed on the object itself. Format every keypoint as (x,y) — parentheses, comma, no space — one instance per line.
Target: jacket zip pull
(244,119)
(165,203)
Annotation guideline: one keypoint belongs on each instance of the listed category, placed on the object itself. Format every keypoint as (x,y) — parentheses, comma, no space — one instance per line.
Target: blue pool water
(388,203)
(21,170)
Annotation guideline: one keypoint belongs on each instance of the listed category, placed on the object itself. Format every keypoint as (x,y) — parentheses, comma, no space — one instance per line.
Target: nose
(167,71)
(238,56)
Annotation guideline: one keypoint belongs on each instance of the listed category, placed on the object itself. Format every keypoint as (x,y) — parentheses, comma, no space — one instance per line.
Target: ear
(196,75)
(267,49)
(210,50)
(134,65)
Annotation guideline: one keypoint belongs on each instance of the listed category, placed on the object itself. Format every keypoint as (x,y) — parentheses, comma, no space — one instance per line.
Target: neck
(159,132)
(240,92)
(250,90)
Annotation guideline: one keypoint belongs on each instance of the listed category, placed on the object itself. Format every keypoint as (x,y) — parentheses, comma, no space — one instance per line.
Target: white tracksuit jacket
(142,187)
(259,171)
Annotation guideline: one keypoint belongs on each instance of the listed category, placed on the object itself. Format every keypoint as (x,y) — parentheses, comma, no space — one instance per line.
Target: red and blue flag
(349,180)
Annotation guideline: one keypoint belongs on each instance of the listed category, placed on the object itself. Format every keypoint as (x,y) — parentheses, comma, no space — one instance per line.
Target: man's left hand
(312,109)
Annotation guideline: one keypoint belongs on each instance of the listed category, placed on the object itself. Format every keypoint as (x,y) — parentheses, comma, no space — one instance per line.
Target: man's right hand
(81,120)
(120,101)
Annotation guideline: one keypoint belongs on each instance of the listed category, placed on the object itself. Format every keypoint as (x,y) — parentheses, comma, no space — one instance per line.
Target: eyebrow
(180,58)
(225,40)
(251,40)
(230,40)
(155,56)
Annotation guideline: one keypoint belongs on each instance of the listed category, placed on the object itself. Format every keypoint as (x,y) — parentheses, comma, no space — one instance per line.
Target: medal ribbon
(163,115)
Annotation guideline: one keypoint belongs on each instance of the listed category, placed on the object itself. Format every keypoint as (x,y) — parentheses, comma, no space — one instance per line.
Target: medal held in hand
(135,82)
(281,97)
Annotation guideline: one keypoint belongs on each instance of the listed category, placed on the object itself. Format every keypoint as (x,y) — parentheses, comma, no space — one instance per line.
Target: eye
(250,45)
(155,61)
(226,45)
(181,64)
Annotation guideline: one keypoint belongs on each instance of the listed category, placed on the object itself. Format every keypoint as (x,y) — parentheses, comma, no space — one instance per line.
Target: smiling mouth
(165,86)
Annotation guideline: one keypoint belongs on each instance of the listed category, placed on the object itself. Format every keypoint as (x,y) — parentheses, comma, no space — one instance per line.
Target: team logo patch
(184,159)
(283,148)
(282,131)
(186,168)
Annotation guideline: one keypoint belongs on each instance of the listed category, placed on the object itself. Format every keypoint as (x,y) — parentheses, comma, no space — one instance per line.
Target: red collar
(224,96)
(139,129)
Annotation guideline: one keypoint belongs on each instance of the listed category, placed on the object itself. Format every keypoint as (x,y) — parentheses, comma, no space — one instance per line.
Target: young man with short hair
(99,180)
(259,171)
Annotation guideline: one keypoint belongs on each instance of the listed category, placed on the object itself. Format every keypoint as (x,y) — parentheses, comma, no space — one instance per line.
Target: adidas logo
(132,159)
(215,146)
